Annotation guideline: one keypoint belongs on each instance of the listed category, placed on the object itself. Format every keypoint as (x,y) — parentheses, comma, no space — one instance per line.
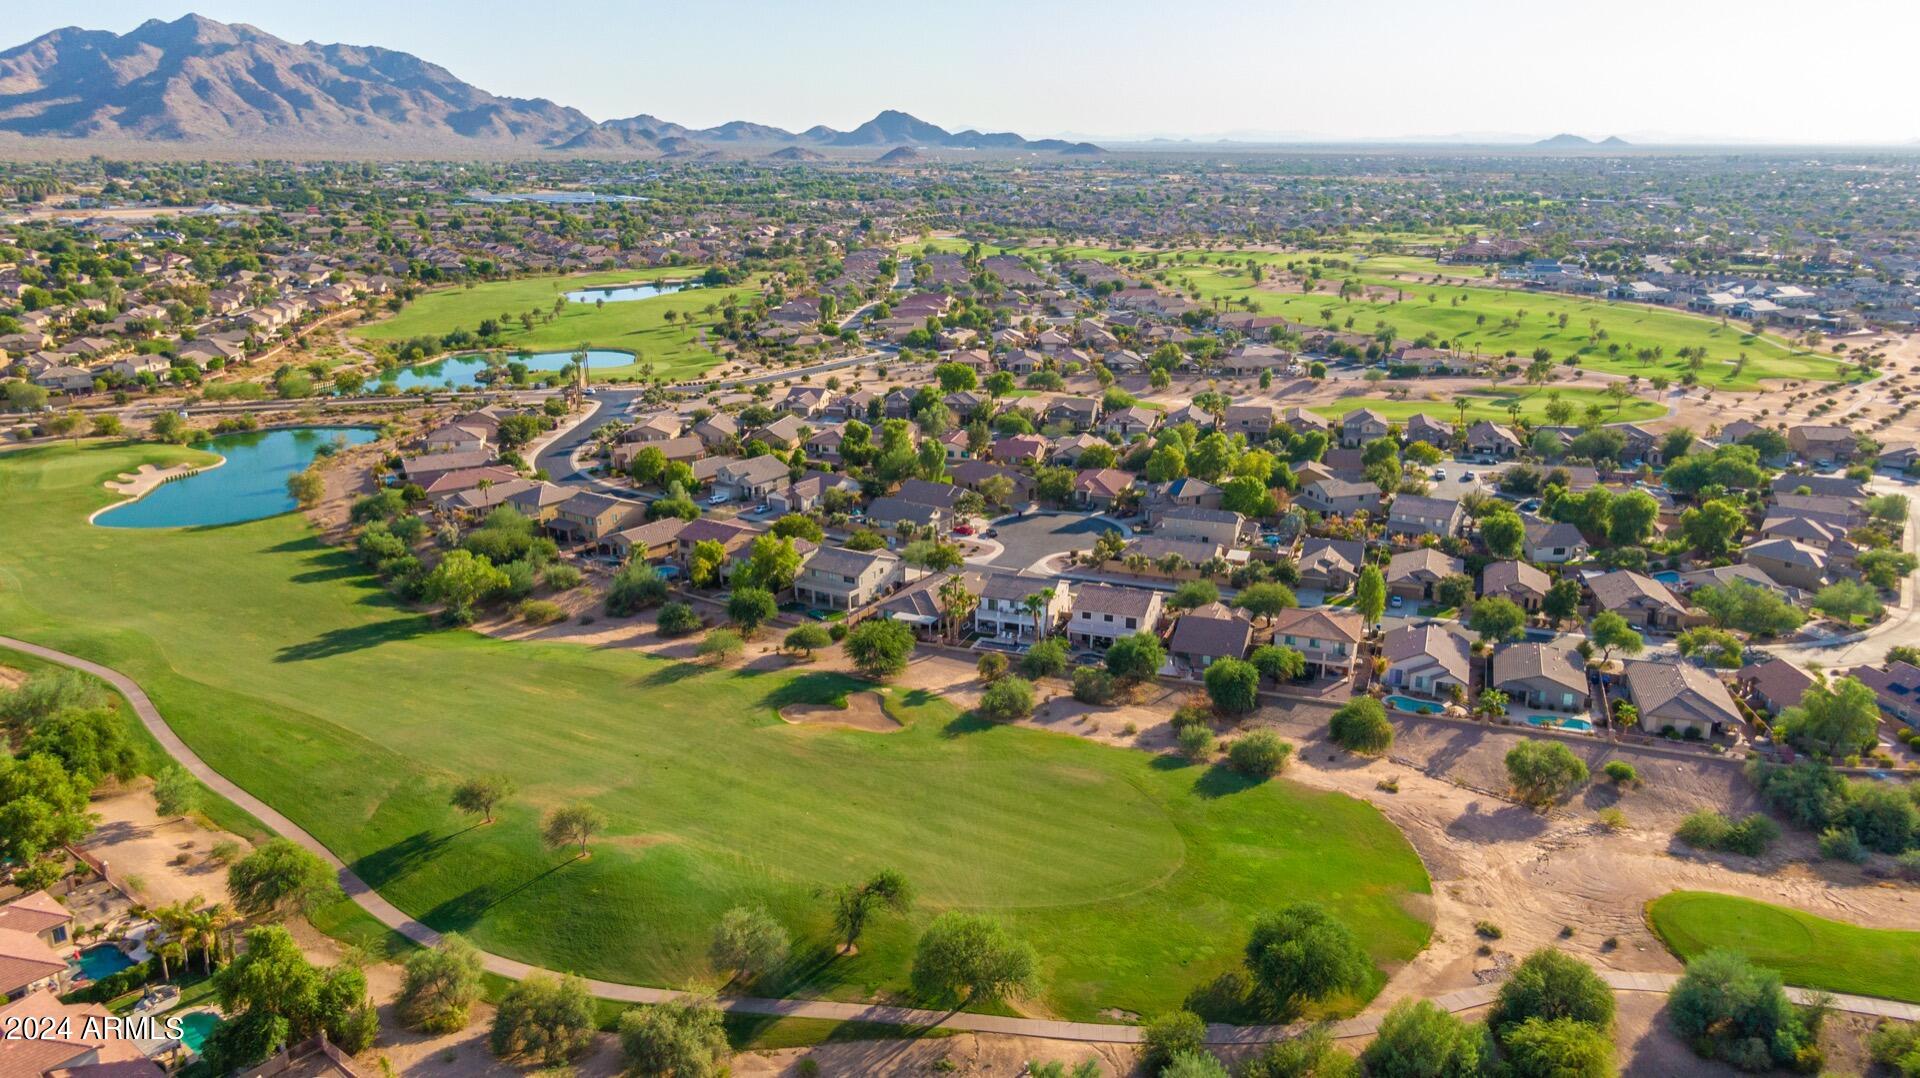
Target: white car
(1439,474)
(720,499)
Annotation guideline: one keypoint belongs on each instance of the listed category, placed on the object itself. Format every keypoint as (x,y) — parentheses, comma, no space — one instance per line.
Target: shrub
(1301,953)
(1708,830)
(720,646)
(1007,700)
(1195,741)
(543,1019)
(540,612)
(1550,985)
(1728,1009)
(1559,1048)
(1047,658)
(992,666)
(807,638)
(880,647)
(635,587)
(440,986)
(1419,1040)
(561,577)
(1896,1046)
(1260,754)
(1842,844)
(1612,819)
(685,1037)
(1621,773)
(1361,726)
(1543,771)
(1234,686)
(1487,930)
(1169,1035)
(678,619)
(1092,685)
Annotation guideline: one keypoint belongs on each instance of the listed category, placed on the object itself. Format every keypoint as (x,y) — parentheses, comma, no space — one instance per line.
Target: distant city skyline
(1480,70)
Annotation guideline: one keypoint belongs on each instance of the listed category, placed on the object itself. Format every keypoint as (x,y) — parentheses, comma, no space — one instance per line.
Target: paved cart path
(393,917)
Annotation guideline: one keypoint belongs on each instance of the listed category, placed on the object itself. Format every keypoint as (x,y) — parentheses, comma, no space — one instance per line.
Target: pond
(250,485)
(624,293)
(463,372)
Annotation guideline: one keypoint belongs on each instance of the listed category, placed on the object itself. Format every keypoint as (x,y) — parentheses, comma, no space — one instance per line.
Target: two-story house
(840,579)
(1003,613)
(1101,614)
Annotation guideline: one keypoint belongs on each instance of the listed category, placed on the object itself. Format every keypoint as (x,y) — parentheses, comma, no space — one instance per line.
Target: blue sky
(1761,70)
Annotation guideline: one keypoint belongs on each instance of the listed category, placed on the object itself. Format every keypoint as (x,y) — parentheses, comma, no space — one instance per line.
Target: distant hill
(197,80)
(900,155)
(796,153)
(1565,141)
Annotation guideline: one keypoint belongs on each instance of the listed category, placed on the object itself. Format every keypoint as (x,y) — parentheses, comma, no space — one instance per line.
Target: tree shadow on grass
(824,687)
(1220,780)
(335,642)
(1228,999)
(463,911)
(967,722)
(382,867)
(673,674)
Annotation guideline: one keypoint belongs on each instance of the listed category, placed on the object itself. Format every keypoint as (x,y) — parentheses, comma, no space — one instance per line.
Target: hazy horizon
(1489,71)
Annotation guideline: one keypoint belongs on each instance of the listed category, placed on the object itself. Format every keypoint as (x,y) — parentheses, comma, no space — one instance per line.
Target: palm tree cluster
(188,929)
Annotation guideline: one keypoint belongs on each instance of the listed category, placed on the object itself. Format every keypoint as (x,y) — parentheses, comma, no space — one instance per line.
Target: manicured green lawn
(1807,950)
(1136,877)
(1492,404)
(637,326)
(1477,319)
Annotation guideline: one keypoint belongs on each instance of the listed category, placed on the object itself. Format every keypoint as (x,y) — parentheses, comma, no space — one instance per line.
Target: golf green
(1806,950)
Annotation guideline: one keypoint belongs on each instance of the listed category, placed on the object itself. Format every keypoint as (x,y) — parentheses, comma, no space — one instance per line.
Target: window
(1132,623)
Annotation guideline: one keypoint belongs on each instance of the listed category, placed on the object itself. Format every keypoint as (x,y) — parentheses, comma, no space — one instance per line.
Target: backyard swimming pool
(1418,707)
(1560,722)
(101,961)
(195,1027)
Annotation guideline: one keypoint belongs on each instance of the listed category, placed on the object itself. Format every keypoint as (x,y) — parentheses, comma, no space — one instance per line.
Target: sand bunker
(145,478)
(863,712)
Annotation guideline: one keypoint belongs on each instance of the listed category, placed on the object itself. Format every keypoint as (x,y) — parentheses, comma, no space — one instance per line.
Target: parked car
(1396,602)
(990,533)
(721,498)
(1439,474)
(963,529)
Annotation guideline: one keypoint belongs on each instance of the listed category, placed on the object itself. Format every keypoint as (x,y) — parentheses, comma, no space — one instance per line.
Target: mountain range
(197,80)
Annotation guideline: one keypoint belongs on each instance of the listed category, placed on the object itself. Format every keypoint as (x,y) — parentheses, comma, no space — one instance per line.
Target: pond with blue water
(624,293)
(465,371)
(250,485)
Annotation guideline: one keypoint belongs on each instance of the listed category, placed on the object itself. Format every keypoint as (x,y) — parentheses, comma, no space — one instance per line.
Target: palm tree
(1037,606)
(956,602)
(222,919)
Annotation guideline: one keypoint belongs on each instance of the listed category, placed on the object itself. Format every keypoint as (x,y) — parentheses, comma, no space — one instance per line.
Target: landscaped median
(1136,878)
(1808,951)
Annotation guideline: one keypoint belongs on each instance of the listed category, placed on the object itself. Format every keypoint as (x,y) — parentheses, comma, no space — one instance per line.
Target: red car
(963,529)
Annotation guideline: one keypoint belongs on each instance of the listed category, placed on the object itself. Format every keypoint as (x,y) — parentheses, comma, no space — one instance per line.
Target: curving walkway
(394,918)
